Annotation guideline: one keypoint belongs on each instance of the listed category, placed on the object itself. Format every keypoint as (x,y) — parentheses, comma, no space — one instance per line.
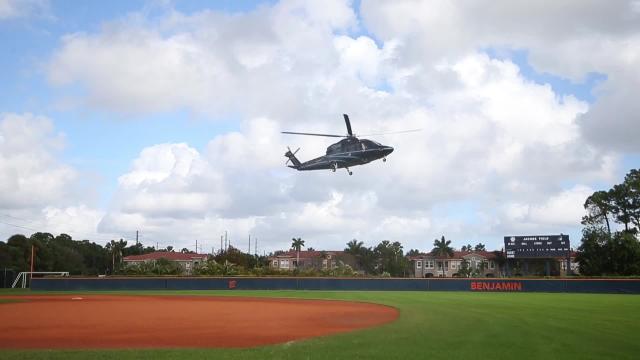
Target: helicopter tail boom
(292,157)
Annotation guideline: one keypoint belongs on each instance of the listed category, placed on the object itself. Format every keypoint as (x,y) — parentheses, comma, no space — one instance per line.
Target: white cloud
(30,175)
(80,222)
(38,192)
(569,39)
(562,209)
(23,8)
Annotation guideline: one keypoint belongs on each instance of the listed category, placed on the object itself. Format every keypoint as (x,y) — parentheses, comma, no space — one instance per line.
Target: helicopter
(346,153)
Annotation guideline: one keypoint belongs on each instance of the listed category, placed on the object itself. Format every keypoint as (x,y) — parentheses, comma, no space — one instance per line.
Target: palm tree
(115,248)
(297,244)
(480,247)
(354,247)
(441,248)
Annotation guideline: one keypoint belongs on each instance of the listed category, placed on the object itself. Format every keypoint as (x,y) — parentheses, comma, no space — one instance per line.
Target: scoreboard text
(536,246)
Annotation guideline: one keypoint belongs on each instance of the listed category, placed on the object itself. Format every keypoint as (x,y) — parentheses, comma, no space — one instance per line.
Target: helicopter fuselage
(347,153)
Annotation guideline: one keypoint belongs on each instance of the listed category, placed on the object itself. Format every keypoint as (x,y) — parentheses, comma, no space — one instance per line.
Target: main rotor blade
(392,132)
(346,120)
(299,133)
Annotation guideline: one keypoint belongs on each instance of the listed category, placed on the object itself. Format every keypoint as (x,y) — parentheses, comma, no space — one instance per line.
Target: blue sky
(102,142)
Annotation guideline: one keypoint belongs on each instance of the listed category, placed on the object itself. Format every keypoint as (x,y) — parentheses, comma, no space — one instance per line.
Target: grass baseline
(440,325)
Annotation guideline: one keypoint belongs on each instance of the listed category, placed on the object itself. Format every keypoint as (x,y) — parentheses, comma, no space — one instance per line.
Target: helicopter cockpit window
(335,148)
(369,144)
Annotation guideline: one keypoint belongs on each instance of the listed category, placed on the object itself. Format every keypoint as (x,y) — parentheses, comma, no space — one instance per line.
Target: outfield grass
(438,325)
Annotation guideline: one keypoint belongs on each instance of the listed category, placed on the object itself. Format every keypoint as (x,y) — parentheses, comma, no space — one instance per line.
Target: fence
(620,286)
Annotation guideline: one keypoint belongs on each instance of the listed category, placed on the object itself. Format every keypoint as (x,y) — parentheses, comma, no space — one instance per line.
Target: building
(186,260)
(484,263)
(487,264)
(552,266)
(316,260)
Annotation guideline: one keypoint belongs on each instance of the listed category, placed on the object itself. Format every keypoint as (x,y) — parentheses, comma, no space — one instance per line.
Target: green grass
(439,325)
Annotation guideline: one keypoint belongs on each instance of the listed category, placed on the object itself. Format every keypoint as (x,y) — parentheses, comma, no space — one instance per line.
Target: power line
(78,237)
(18,218)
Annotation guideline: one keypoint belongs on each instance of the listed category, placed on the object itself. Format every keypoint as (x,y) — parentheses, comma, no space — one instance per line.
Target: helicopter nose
(388,150)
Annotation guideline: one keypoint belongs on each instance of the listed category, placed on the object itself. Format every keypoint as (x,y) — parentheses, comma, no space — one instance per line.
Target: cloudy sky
(165,117)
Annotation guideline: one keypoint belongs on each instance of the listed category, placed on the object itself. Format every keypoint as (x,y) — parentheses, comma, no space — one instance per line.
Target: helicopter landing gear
(349,171)
(384,159)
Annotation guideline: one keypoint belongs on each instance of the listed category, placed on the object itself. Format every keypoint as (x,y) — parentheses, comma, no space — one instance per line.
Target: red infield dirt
(99,322)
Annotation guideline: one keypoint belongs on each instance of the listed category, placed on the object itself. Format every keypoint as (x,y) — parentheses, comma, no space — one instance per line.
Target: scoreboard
(536,246)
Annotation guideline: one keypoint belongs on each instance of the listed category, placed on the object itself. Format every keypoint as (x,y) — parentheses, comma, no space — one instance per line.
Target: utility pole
(221,237)
(249,250)
(136,238)
(196,246)
(226,241)
(33,252)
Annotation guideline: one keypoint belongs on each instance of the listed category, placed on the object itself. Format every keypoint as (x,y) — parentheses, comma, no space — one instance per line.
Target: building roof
(306,254)
(456,255)
(174,256)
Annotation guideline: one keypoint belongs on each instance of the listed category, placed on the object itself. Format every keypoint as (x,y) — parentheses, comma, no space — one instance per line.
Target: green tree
(297,244)
(632,182)
(602,250)
(499,259)
(237,257)
(363,255)
(599,208)
(591,253)
(136,249)
(442,249)
(115,249)
(480,247)
(621,209)
(464,270)
(413,252)
(354,247)
(390,258)
(624,251)
(601,254)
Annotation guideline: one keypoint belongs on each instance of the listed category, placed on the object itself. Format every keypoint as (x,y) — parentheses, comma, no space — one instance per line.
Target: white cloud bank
(491,137)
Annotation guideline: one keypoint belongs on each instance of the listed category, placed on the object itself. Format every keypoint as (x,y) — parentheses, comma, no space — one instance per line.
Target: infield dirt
(110,321)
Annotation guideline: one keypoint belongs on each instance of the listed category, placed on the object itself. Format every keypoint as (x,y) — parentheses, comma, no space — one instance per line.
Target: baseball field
(232,324)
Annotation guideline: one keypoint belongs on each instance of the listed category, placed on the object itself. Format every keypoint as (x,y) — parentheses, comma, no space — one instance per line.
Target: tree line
(610,243)
(62,253)
(83,257)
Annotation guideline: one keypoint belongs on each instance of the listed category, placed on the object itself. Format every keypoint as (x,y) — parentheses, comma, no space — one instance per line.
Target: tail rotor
(291,157)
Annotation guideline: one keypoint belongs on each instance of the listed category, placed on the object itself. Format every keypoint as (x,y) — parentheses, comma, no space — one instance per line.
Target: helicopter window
(369,144)
(335,148)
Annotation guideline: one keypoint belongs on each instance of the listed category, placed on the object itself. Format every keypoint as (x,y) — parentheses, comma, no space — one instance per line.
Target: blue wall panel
(604,286)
